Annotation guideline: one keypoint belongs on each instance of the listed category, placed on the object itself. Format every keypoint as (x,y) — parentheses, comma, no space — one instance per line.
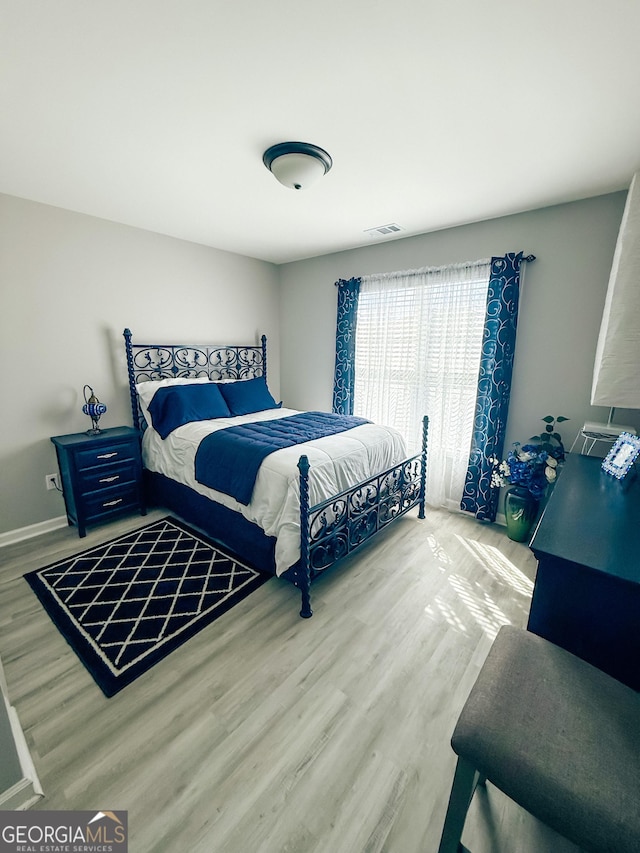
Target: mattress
(337,462)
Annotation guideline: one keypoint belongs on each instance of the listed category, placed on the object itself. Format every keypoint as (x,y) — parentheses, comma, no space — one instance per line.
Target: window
(418,346)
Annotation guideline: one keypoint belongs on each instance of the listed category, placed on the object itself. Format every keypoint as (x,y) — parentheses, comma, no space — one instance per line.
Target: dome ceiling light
(297,165)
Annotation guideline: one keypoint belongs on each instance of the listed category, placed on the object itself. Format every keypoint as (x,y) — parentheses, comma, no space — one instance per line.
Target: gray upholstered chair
(557,736)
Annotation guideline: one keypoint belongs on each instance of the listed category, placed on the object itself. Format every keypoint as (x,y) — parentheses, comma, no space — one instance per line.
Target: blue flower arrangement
(535,465)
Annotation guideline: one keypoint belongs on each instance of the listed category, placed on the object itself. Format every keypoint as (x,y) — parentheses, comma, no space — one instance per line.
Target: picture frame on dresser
(620,460)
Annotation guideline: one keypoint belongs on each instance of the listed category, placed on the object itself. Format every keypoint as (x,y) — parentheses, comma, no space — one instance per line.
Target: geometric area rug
(124,605)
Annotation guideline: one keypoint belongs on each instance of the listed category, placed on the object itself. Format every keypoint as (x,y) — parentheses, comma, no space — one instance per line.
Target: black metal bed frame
(330,530)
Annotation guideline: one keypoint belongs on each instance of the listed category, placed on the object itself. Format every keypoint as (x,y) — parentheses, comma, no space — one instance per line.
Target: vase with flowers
(529,469)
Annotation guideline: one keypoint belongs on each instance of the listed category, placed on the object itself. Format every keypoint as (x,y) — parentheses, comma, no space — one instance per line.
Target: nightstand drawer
(107,476)
(108,501)
(104,455)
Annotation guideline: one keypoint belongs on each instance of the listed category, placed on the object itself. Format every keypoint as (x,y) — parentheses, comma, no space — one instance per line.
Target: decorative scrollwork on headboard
(152,362)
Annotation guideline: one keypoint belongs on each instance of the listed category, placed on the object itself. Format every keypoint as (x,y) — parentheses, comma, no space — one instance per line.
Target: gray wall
(71,283)
(560,310)
(69,286)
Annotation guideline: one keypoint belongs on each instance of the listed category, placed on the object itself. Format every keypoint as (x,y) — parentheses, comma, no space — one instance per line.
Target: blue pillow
(247,396)
(176,405)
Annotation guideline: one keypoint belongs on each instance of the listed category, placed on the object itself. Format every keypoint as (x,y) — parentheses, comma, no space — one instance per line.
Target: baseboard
(27,790)
(31,789)
(12,536)
(500,519)
(19,797)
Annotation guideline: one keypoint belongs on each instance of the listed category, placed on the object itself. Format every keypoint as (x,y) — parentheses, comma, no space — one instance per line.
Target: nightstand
(101,475)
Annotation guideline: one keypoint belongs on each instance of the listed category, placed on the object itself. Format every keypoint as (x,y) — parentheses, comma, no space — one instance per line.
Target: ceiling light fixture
(297,165)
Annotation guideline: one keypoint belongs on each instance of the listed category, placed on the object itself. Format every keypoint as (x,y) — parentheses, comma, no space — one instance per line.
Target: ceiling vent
(383,230)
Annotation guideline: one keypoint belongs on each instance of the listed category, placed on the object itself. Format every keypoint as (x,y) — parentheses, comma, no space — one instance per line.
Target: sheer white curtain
(418,344)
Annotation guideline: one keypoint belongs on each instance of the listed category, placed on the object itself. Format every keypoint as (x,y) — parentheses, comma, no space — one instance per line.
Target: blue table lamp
(94,408)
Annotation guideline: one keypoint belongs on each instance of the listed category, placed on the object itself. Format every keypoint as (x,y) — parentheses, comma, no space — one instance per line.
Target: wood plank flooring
(267,733)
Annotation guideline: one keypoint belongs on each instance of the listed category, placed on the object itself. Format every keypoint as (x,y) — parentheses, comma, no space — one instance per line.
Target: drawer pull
(113,503)
(107,455)
(109,479)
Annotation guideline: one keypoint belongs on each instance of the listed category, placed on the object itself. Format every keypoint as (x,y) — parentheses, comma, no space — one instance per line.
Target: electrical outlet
(52,482)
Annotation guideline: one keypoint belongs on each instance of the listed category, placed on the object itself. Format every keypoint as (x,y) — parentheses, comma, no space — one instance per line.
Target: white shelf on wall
(593,433)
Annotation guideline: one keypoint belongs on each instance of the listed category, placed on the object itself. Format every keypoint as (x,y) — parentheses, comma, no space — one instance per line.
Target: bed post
(304,571)
(423,466)
(263,341)
(131,374)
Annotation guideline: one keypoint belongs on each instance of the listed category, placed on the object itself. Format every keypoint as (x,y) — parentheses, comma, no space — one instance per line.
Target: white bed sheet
(337,463)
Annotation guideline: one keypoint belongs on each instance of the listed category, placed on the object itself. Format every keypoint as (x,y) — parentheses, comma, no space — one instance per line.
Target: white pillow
(146,390)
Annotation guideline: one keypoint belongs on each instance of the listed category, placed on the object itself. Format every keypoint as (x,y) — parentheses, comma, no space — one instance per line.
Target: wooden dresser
(587,591)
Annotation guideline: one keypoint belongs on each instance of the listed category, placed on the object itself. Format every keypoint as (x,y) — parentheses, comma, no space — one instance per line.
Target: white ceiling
(155,113)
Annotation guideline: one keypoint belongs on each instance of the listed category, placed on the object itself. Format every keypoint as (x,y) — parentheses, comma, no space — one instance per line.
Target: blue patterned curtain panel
(344,376)
(494,385)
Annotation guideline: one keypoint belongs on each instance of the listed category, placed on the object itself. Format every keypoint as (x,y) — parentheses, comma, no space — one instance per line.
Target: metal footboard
(339,525)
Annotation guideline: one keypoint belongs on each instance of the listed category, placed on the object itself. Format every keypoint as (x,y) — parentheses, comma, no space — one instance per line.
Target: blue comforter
(228,460)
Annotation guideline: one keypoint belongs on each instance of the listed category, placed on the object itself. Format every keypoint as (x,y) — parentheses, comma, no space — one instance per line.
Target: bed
(312,501)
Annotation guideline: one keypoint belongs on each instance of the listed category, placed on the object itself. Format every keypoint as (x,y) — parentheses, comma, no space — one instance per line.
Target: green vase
(520,512)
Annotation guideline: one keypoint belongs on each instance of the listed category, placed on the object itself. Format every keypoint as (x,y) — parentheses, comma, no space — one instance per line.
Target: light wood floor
(267,733)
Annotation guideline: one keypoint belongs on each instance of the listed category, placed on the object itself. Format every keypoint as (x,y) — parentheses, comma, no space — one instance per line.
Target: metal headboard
(152,362)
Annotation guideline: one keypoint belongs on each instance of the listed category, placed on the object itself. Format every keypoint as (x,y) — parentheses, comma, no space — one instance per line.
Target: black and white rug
(126,604)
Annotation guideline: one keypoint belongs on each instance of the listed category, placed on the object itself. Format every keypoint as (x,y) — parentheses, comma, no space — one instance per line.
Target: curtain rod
(462,265)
